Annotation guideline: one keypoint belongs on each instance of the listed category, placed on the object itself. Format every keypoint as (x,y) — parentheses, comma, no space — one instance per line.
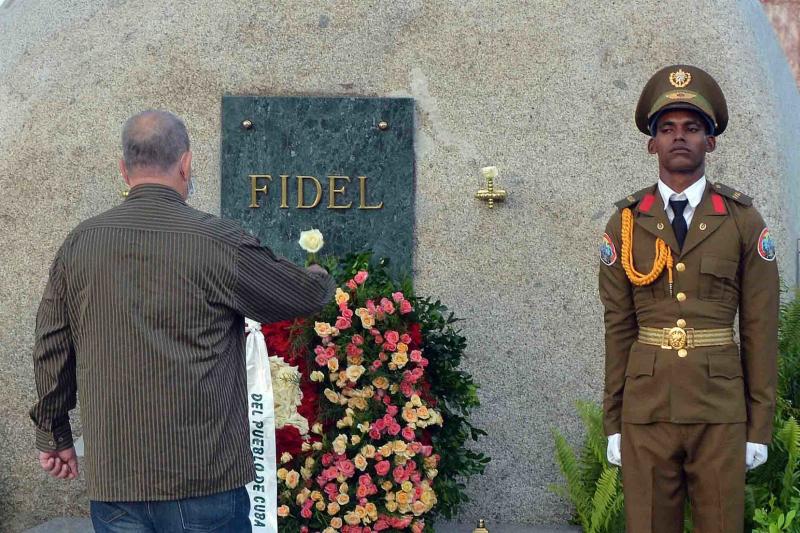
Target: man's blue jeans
(227,511)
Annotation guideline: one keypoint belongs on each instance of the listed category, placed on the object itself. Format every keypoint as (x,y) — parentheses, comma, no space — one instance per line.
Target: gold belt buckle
(677,338)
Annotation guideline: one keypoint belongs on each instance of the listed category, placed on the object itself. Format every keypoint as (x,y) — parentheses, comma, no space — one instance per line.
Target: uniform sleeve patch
(766,246)
(608,253)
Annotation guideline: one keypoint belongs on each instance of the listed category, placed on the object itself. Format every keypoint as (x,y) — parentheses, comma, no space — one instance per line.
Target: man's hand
(316,268)
(614,451)
(61,465)
(755,455)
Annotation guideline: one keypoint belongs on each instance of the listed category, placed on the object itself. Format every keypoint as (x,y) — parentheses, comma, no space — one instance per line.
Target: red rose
(415,332)
(288,439)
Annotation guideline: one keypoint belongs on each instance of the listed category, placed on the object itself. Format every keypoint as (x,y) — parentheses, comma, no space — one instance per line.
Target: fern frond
(568,464)
(790,437)
(606,492)
(592,416)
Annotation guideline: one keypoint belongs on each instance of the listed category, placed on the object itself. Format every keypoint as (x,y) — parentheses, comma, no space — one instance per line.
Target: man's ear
(186,165)
(651,146)
(124,171)
(711,143)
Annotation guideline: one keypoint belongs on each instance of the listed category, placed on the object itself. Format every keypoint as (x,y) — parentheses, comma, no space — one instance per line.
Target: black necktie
(678,222)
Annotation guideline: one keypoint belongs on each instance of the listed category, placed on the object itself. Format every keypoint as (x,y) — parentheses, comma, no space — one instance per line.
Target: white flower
(311,241)
(287,395)
(489,172)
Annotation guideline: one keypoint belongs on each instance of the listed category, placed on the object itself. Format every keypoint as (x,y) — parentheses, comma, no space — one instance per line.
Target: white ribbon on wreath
(263,490)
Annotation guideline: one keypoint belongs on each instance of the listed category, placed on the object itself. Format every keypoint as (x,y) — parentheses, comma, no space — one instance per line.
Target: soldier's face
(681,141)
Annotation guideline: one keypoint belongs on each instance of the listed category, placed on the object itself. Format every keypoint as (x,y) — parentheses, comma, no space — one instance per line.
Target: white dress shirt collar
(694,194)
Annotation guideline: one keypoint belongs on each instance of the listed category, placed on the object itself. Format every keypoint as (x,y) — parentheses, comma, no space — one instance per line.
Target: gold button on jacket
(721,271)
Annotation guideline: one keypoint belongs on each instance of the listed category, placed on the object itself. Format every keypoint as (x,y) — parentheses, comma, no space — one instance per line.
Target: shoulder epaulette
(733,194)
(633,199)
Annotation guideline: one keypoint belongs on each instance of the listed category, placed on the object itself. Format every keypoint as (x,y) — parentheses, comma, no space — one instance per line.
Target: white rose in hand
(311,241)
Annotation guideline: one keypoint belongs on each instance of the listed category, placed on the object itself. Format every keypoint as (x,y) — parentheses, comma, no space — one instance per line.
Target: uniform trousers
(663,463)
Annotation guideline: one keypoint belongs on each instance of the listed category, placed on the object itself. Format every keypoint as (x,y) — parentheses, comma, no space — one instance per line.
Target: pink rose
(379,424)
(407,389)
(361,276)
(405,307)
(347,468)
(415,447)
(394,429)
(398,297)
(376,364)
(371,307)
(399,474)
(382,468)
(358,340)
(415,356)
(427,451)
(327,459)
(392,410)
(331,490)
(347,312)
(374,434)
(405,338)
(381,524)
(408,433)
(321,360)
(342,323)
(389,346)
(387,306)
(352,285)
(353,350)
(392,336)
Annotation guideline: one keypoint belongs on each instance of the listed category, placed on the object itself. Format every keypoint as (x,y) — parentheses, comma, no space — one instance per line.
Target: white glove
(755,455)
(614,451)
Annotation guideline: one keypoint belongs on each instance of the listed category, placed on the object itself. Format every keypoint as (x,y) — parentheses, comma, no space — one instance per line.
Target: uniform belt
(681,338)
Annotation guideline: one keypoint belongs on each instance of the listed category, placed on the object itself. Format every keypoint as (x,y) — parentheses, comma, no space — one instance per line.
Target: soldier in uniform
(687,410)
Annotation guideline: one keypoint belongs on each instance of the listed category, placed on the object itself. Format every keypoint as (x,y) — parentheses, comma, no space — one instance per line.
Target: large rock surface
(545,90)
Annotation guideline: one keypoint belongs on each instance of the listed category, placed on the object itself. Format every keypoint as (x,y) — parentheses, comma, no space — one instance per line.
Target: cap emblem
(680,95)
(680,79)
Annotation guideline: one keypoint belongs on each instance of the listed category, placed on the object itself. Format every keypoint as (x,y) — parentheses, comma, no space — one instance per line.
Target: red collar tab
(647,202)
(718,203)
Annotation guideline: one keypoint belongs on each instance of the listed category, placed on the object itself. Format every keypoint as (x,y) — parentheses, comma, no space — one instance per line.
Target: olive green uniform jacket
(727,263)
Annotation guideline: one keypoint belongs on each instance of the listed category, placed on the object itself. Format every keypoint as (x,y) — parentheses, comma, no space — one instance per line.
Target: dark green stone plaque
(342,165)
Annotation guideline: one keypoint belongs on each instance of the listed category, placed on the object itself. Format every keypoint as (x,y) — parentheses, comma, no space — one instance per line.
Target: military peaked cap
(682,87)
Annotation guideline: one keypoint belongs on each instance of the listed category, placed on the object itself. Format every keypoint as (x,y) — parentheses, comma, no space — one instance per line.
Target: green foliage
(592,484)
(444,347)
(772,496)
(789,361)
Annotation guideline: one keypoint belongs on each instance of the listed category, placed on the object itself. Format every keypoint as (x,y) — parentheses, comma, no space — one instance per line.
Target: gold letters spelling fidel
(336,186)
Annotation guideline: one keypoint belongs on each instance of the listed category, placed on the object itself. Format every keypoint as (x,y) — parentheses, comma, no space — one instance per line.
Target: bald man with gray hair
(143,312)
